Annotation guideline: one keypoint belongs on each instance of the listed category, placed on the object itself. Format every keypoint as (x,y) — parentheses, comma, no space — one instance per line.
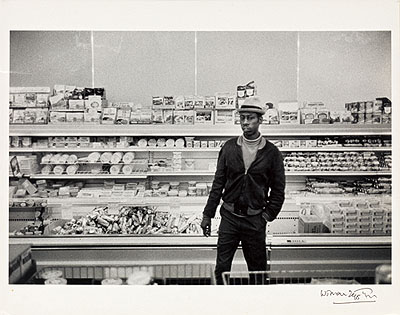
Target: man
(250,179)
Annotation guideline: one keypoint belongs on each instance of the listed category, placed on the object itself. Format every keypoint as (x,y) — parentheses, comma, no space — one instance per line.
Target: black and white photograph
(181,164)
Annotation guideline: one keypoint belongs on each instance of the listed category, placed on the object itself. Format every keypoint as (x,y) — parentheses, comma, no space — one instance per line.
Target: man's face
(250,123)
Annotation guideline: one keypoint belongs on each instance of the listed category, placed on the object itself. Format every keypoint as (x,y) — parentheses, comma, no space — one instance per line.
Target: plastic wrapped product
(140,277)
(93,157)
(128,157)
(72,169)
(55,158)
(106,157)
(63,159)
(127,169)
(46,158)
(61,281)
(72,159)
(111,281)
(59,169)
(51,274)
(46,170)
(115,169)
(116,157)
(170,143)
(142,143)
(96,169)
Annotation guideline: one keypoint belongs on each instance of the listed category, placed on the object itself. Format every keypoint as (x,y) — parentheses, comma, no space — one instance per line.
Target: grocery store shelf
(336,149)
(182,173)
(201,173)
(165,149)
(328,239)
(297,240)
(189,130)
(87,176)
(339,173)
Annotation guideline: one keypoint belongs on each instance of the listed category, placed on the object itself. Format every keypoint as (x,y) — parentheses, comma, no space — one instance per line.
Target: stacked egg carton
(360,217)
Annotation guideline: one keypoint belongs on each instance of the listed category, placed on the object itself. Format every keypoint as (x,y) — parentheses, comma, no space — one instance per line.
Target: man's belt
(240,211)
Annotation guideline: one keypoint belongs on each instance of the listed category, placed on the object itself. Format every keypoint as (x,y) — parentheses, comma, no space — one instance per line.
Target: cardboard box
(311,224)
(75,117)
(29,116)
(18,116)
(308,116)
(93,102)
(109,115)
(76,104)
(225,101)
(224,116)
(209,102)
(204,117)
(183,117)
(92,116)
(157,101)
(123,116)
(168,116)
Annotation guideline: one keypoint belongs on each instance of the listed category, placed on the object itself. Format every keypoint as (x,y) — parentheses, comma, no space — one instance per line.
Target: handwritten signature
(362,295)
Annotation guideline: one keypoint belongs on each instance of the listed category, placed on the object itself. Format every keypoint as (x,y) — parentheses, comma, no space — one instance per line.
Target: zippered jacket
(261,187)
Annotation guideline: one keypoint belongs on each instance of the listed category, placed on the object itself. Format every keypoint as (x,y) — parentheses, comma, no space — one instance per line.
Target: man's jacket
(261,187)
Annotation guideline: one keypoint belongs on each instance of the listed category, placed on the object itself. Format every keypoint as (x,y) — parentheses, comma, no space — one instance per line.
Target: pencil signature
(362,295)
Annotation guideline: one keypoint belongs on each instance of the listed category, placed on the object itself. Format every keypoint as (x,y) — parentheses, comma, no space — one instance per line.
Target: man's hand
(206,225)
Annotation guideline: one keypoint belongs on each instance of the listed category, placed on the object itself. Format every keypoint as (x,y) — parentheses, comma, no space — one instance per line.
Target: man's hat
(252,105)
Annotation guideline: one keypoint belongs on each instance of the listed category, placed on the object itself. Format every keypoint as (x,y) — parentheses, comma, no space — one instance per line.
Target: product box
(225,101)
(188,102)
(42,116)
(30,100)
(135,116)
(75,117)
(289,117)
(76,104)
(199,102)
(271,116)
(10,115)
(145,116)
(185,117)
(386,119)
(93,102)
(42,100)
(179,102)
(168,116)
(169,102)
(109,115)
(361,107)
(30,116)
(57,117)
(289,112)
(204,117)
(224,116)
(209,102)
(158,101)
(308,116)
(323,116)
(58,102)
(92,116)
(346,117)
(335,117)
(157,116)
(311,224)
(18,99)
(123,116)
(377,118)
(361,118)
(369,107)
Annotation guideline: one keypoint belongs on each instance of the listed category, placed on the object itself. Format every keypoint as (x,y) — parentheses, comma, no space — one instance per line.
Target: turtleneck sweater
(249,150)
